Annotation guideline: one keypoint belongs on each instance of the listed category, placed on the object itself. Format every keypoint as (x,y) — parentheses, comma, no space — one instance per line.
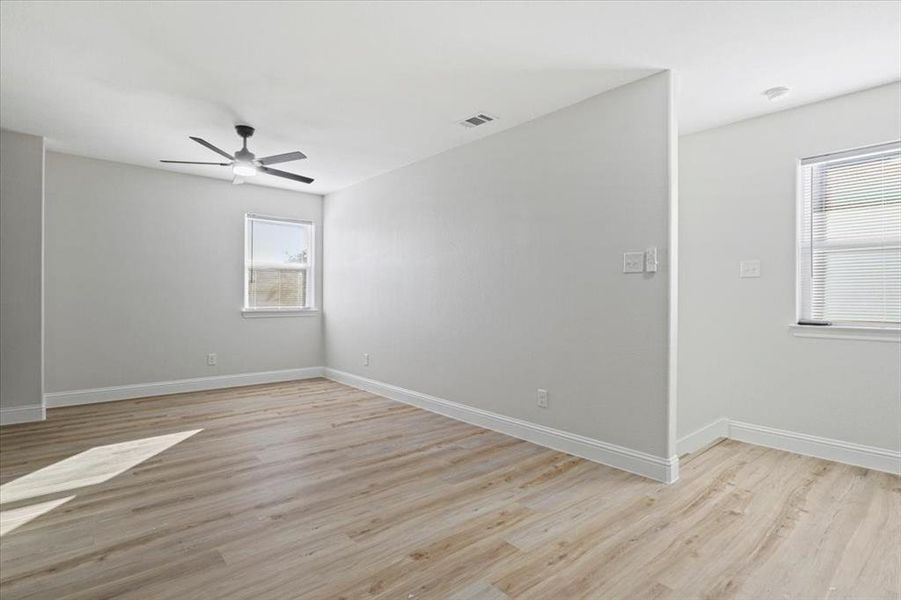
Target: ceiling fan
(244,163)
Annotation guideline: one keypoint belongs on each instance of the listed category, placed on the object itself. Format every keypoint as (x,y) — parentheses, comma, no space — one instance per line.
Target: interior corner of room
(571,300)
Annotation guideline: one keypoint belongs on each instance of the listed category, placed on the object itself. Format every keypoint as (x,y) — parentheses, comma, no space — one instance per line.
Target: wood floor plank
(312,489)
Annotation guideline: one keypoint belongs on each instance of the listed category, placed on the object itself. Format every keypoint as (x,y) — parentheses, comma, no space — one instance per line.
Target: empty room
(450,300)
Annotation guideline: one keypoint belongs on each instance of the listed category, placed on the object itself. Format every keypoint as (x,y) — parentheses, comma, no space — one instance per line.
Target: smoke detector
(477,119)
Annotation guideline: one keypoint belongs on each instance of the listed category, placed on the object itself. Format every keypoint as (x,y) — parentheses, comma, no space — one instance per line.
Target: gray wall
(737,357)
(145,277)
(21,231)
(494,269)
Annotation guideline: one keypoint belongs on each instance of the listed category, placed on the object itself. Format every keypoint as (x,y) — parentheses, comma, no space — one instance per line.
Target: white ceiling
(363,88)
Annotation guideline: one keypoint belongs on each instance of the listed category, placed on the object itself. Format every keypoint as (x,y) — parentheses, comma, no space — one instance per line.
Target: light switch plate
(650,260)
(633,262)
(749,268)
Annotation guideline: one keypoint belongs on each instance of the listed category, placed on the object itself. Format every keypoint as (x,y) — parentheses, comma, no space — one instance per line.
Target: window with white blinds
(849,250)
(278,264)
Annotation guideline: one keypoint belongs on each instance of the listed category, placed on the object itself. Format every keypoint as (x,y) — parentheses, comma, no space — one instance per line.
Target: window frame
(312,308)
(849,330)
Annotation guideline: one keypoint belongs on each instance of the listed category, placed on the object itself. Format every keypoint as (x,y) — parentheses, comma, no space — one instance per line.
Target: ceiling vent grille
(476,120)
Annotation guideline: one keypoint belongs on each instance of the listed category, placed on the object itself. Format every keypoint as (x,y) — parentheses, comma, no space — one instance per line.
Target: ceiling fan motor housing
(244,155)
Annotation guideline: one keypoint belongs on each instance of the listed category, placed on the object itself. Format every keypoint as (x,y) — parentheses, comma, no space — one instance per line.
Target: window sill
(846,332)
(265,313)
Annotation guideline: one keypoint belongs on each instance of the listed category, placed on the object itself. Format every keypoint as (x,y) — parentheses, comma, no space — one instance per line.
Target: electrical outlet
(542,398)
(211,360)
(633,262)
(365,359)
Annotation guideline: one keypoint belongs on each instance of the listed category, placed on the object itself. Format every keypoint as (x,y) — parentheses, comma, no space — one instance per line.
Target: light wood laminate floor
(312,489)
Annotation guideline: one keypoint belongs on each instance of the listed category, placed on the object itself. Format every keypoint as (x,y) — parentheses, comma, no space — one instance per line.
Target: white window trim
(838,331)
(265,313)
(847,332)
(249,312)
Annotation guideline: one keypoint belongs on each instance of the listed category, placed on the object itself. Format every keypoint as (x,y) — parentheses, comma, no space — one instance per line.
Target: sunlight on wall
(90,467)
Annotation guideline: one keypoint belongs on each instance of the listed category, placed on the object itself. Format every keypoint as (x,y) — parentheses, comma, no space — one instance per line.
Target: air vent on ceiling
(476,120)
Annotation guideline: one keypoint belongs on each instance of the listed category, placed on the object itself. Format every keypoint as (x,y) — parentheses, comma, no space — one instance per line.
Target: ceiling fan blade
(191,162)
(203,142)
(286,175)
(280,158)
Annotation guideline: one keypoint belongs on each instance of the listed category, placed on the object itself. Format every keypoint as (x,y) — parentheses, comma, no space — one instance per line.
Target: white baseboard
(704,436)
(634,461)
(878,459)
(626,459)
(22,414)
(178,386)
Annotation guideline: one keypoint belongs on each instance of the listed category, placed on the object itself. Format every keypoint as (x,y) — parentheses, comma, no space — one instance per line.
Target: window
(849,239)
(278,264)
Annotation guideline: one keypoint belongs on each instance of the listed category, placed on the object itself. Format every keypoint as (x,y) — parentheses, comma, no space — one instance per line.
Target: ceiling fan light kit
(244,163)
(244,169)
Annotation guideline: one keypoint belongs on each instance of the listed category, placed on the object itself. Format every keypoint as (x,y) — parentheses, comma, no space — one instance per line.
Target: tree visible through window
(278,265)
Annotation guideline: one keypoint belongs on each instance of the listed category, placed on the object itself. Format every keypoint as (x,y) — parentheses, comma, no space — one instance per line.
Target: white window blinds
(849,251)
(278,264)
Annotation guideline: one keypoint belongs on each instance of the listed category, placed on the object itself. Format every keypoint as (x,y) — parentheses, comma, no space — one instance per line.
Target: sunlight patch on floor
(89,467)
(16,517)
